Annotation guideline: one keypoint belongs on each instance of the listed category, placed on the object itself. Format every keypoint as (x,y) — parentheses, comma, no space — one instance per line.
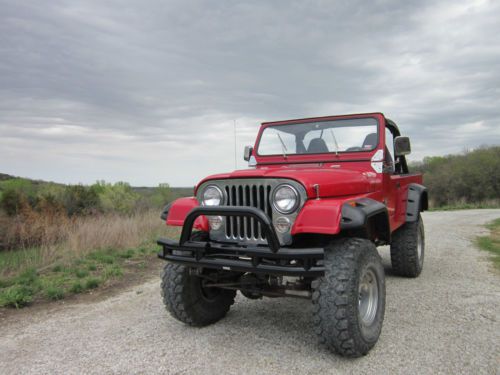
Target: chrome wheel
(368,297)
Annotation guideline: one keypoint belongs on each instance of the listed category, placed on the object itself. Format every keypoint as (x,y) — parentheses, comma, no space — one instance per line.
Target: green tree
(118,197)
(16,194)
(162,195)
(80,200)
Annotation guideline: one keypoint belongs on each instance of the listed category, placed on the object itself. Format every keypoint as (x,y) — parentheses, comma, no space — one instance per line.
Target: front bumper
(240,257)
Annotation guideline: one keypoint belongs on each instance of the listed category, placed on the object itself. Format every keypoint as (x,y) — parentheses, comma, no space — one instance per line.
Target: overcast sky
(147,91)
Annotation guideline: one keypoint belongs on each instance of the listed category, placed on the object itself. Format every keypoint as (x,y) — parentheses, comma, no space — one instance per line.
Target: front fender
(179,210)
(320,216)
(363,217)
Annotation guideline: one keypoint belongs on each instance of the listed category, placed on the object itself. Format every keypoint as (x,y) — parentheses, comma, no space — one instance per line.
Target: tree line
(18,194)
(468,179)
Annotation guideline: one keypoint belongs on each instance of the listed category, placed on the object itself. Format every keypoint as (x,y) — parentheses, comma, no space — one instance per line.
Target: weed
(92,283)
(491,243)
(4,283)
(28,277)
(54,293)
(92,267)
(57,268)
(81,273)
(71,241)
(76,287)
(16,296)
(128,254)
(113,271)
(102,257)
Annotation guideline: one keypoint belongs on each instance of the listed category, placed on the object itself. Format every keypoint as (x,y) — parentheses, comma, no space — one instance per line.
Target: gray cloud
(148,91)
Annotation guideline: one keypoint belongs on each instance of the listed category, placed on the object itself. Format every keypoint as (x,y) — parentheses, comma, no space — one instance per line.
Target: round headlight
(212,196)
(285,199)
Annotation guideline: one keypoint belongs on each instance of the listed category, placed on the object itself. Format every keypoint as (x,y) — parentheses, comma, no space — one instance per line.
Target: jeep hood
(333,180)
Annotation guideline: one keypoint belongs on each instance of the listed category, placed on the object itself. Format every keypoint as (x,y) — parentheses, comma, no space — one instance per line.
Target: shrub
(28,277)
(118,197)
(16,296)
(162,195)
(17,193)
(54,293)
(92,267)
(113,271)
(81,200)
(80,273)
(92,283)
(76,287)
(57,268)
(127,254)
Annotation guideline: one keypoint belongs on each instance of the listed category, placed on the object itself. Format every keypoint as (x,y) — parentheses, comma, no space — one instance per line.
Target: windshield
(320,137)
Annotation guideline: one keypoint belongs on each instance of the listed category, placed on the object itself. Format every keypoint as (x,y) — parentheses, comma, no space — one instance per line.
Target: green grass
(19,259)
(81,273)
(54,292)
(113,271)
(64,279)
(57,268)
(128,254)
(16,296)
(92,283)
(465,206)
(491,243)
(92,267)
(76,287)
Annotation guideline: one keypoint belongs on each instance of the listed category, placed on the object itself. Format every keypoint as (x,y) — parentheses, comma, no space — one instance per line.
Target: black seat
(370,141)
(317,146)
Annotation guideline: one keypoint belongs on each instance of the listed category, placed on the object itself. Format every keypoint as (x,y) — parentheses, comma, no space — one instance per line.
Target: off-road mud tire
(336,297)
(406,258)
(187,301)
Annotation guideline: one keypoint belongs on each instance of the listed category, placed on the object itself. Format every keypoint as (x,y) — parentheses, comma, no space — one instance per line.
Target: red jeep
(304,221)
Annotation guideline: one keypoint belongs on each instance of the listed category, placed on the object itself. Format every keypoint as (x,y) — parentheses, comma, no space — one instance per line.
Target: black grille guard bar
(259,258)
(267,226)
(236,256)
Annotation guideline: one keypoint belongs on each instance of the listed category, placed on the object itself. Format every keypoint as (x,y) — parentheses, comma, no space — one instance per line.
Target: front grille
(248,195)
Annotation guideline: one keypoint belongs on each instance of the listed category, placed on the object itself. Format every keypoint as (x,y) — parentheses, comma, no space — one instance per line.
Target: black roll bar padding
(267,226)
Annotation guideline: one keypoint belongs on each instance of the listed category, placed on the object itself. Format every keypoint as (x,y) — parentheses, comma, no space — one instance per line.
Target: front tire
(186,298)
(349,300)
(408,249)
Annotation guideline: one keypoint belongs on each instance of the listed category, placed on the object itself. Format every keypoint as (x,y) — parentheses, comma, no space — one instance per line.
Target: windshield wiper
(283,147)
(336,144)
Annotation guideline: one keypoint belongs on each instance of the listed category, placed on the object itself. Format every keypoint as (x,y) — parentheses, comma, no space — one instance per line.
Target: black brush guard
(240,257)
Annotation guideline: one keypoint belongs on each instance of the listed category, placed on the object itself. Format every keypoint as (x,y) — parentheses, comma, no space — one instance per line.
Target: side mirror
(402,146)
(247,153)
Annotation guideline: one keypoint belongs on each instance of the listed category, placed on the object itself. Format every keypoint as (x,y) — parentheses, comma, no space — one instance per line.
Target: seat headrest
(317,146)
(370,140)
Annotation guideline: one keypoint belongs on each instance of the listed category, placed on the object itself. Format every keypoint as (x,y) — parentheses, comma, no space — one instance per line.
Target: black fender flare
(164,211)
(416,201)
(366,218)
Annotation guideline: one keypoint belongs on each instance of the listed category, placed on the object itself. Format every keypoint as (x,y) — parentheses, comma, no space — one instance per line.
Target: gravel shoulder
(446,321)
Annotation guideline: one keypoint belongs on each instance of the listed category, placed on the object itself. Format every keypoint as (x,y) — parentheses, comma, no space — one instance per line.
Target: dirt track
(446,321)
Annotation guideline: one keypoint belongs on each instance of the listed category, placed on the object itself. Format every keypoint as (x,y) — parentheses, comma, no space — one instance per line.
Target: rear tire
(408,249)
(187,300)
(349,300)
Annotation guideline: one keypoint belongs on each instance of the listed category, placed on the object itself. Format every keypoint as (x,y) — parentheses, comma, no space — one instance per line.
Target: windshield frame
(313,156)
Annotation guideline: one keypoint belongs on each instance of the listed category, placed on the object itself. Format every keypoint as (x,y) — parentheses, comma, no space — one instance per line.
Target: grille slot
(247,195)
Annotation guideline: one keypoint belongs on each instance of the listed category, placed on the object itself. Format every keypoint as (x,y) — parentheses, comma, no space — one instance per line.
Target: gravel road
(446,321)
